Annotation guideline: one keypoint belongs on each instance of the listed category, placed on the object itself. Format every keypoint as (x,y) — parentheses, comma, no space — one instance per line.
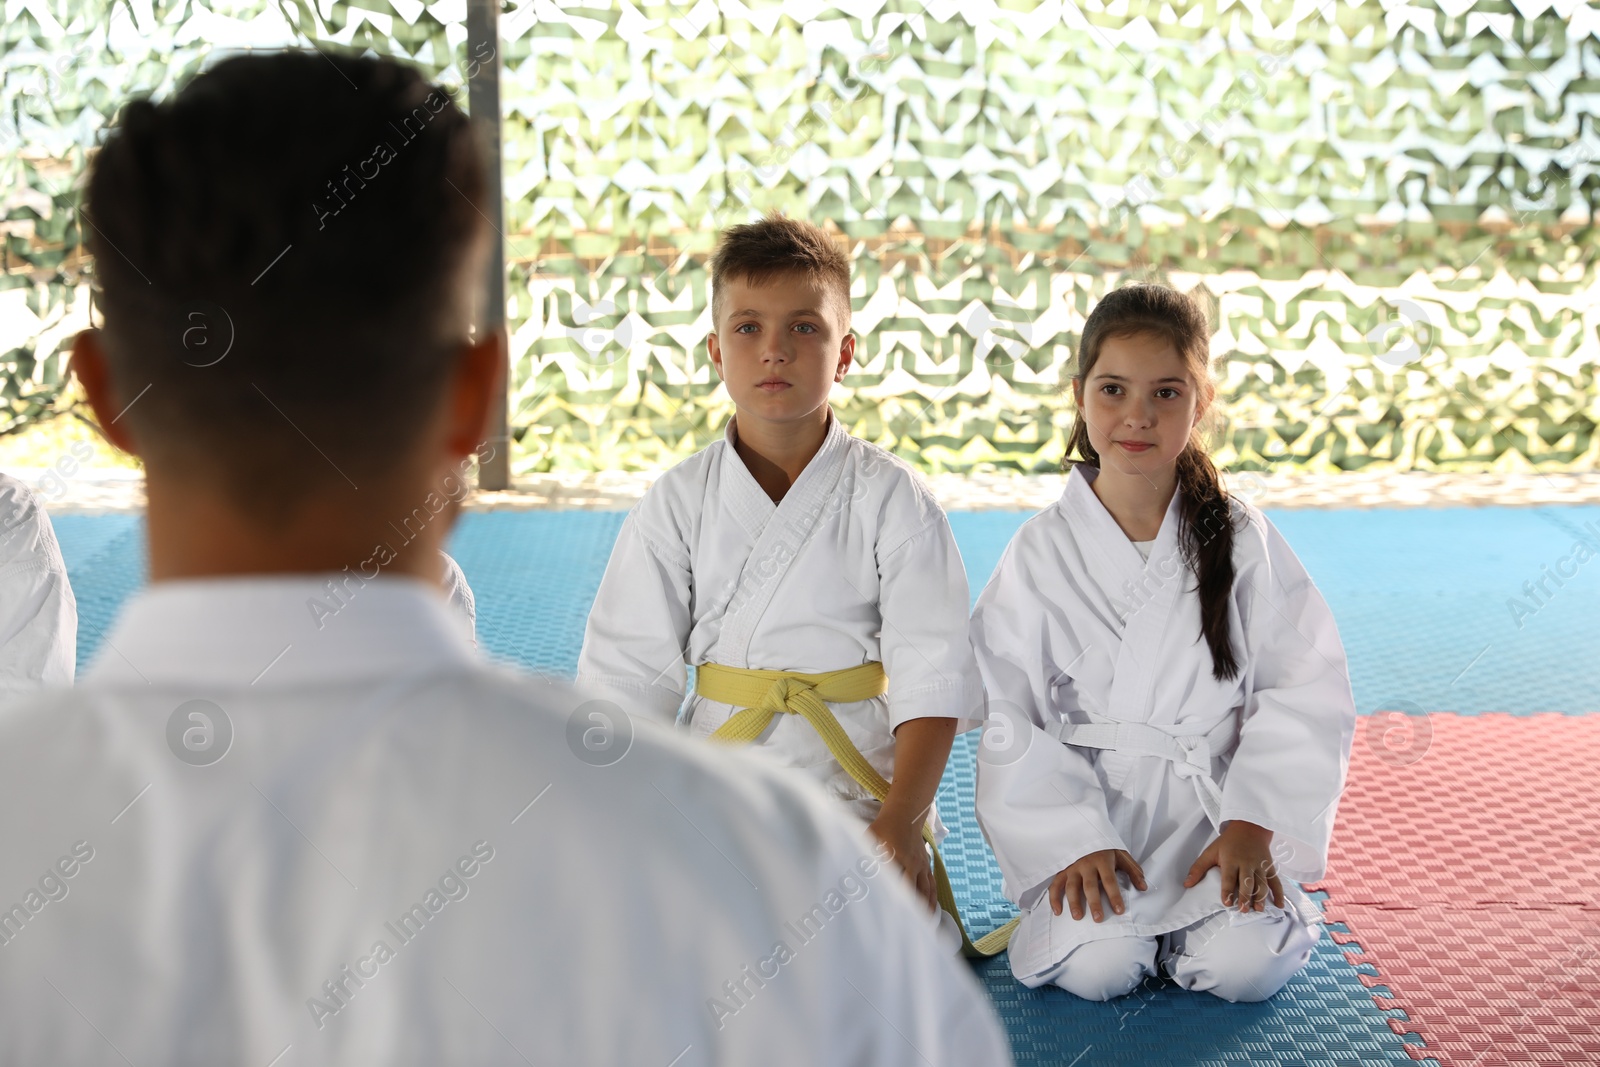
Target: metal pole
(483,103)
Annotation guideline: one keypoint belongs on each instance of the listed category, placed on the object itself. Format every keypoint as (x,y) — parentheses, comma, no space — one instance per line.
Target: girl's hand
(1249,875)
(906,846)
(1085,879)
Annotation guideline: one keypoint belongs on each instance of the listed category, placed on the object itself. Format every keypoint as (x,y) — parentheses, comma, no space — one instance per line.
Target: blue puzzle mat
(1422,598)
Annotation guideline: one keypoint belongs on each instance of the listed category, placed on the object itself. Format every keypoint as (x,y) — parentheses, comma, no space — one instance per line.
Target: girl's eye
(1174,392)
(1107,389)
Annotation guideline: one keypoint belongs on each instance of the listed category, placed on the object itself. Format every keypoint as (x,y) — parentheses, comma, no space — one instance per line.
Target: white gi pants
(1238,957)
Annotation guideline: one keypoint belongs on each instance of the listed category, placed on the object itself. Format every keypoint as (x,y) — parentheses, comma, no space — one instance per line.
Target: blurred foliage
(1388,210)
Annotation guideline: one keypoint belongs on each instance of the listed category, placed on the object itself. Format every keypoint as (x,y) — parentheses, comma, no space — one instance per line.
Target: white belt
(1190,748)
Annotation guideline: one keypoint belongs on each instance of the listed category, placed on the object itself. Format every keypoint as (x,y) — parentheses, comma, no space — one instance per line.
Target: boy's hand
(1249,875)
(1085,879)
(908,850)
(921,747)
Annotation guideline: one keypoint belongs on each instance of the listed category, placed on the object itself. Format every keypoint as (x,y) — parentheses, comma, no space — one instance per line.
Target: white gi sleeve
(638,630)
(459,593)
(38,613)
(922,599)
(1299,714)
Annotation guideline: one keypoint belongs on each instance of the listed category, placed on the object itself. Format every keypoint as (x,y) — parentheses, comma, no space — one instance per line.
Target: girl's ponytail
(1206,537)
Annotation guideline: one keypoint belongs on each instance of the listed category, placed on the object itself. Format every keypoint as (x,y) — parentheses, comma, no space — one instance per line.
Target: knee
(1102,970)
(1246,964)
(1245,982)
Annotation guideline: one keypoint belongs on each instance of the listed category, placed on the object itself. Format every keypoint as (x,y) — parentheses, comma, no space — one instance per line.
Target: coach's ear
(88,365)
(480,369)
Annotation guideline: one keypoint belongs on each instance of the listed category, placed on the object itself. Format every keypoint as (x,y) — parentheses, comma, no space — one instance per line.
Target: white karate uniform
(459,593)
(856,564)
(38,614)
(254,834)
(1077,636)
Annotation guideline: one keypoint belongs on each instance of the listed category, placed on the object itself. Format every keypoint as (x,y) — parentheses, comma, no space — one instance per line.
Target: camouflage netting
(1387,207)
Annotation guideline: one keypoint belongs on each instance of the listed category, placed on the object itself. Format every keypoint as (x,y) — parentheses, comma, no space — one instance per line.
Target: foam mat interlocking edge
(1484,929)
(1398,1019)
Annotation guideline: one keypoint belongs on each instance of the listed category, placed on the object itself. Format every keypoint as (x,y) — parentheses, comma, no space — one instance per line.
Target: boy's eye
(806,326)
(741,327)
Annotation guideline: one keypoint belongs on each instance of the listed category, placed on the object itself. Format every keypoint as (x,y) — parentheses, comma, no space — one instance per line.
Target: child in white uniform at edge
(38,613)
(459,593)
(791,545)
(1163,753)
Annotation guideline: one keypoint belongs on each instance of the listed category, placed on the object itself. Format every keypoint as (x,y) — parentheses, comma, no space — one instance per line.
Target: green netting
(1387,207)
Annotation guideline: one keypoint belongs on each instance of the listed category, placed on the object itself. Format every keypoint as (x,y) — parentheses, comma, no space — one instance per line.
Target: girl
(1169,710)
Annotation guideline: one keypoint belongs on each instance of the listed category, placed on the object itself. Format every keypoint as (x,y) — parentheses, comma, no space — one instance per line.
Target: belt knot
(780,694)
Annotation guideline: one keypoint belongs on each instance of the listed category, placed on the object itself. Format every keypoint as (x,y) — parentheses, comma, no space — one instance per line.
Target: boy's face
(780,347)
(1139,402)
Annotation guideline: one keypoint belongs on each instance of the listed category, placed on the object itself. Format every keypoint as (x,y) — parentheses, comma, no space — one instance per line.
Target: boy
(38,615)
(260,831)
(790,546)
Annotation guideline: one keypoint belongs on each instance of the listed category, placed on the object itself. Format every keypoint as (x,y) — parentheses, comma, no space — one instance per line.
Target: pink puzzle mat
(1466,868)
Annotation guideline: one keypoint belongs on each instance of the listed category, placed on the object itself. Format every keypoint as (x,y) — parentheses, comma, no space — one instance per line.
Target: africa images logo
(199,732)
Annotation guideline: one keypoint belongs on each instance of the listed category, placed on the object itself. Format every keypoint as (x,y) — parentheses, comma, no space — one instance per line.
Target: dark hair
(758,252)
(281,254)
(1206,534)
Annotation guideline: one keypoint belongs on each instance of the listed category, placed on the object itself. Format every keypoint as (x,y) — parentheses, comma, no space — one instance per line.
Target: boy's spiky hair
(758,252)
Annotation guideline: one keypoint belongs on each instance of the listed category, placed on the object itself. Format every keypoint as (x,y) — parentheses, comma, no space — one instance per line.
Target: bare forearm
(921,749)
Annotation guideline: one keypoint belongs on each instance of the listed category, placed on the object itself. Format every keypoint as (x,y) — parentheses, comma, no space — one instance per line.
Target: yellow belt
(763,694)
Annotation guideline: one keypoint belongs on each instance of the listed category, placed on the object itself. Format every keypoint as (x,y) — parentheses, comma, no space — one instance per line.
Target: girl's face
(1140,404)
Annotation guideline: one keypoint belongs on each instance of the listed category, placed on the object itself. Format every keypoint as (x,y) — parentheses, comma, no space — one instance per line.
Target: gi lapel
(743,496)
(789,526)
(1142,593)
